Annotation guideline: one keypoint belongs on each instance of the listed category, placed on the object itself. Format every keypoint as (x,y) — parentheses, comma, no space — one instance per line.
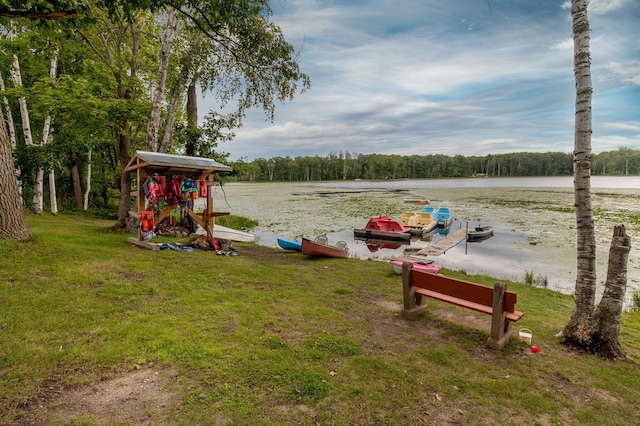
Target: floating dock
(441,246)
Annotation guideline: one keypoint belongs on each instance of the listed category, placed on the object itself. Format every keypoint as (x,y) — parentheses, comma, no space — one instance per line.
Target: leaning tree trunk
(13,225)
(585,289)
(600,333)
(171,113)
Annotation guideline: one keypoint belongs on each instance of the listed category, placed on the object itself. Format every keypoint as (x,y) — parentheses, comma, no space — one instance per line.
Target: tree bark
(192,116)
(13,225)
(88,190)
(47,136)
(75,178)
(601,332)
(24,112)
(52,192)
(585,289)
(171,113)
(153,127)
(125,138)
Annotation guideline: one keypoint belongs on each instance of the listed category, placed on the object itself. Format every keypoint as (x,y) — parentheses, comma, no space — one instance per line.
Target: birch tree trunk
(52,192)
(171,113)
(13,225)
(24,112)
(585,289)
(153,127)
(38,190)
(600,333)
(192,116)
(88,190)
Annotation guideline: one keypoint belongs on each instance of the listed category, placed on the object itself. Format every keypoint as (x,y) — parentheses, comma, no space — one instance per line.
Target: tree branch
(38,15)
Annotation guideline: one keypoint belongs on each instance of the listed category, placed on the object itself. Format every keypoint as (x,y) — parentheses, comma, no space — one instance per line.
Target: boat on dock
(383,227)
(419,222)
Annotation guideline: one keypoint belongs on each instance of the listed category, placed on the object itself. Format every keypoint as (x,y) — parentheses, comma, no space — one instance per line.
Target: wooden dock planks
(444,244)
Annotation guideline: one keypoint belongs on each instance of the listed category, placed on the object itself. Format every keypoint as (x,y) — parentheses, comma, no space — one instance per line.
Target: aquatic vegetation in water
(536,281)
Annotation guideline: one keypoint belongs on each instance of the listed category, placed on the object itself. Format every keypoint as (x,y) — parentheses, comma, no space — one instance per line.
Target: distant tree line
(348,166)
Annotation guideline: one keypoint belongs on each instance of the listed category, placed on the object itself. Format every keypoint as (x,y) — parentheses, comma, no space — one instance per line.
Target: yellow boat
(421,220)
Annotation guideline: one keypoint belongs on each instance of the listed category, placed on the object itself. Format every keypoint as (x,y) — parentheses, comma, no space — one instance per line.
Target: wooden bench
(497,301)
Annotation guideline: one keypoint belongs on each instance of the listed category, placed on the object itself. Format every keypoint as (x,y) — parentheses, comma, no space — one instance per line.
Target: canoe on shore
(321,248)
(289,244)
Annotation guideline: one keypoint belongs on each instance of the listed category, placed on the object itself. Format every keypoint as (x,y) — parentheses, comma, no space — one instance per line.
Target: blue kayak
(290,244)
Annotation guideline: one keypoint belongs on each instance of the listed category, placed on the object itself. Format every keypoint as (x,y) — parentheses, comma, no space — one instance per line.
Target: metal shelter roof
(174,164)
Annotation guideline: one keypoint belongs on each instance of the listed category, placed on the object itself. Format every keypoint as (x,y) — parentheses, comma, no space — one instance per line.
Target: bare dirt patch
(138,397)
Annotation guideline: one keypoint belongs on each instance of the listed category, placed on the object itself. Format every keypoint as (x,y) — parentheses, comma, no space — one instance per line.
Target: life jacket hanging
(202,188)
(146,221)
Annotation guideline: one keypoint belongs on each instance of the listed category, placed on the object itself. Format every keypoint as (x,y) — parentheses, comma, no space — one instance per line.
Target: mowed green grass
(272,337)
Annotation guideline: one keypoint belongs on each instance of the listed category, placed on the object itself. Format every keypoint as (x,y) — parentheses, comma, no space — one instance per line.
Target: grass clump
(271,337)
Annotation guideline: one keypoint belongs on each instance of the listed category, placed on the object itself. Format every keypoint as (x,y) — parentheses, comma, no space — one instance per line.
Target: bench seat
(474,306)
(418,286)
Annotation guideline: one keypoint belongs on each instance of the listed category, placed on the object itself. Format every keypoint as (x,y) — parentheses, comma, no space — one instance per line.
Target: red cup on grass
(535,349)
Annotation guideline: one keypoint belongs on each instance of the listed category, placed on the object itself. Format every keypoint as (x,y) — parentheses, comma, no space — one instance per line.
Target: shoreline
(538,221)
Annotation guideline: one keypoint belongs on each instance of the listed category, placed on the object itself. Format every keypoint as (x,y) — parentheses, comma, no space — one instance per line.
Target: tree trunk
(52,192)
(75,178)
(13,225)
(125,177)
(171,113)
(38,192)
(24,112)
(12,127)
(153,127)
(125,139)
(600,333)
(86,193)
(192,116)
(585,289)
(12,135)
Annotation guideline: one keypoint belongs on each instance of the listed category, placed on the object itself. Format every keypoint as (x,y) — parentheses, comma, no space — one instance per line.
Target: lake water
(534,225)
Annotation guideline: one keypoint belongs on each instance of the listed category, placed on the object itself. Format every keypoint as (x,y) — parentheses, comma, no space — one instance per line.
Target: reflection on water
(531,235)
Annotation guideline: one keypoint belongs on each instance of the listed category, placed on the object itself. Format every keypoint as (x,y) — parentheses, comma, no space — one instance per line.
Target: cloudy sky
(469,77)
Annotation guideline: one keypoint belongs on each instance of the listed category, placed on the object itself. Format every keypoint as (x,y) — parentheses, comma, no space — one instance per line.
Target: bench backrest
(466,290)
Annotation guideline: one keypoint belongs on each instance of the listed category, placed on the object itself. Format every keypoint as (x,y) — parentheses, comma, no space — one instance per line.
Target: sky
(454,77)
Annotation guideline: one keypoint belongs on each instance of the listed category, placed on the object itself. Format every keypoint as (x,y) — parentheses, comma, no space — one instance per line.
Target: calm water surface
(510,254)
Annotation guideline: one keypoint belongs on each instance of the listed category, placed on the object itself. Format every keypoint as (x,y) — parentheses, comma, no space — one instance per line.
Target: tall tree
(13,224)
(593,330)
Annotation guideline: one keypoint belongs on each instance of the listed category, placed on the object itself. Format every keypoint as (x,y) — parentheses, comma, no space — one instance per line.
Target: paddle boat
(383,227)
(443,216)
(289,244)
(320,247)
(417,265)
(419,222)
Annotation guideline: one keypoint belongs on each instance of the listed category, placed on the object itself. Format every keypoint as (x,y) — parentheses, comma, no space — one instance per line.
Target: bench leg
(500,327)
(413,304)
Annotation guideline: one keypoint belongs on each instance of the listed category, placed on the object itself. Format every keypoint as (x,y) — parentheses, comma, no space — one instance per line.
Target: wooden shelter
(153,164)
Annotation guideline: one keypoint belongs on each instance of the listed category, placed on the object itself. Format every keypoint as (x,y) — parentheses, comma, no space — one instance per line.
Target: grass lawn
(96,331)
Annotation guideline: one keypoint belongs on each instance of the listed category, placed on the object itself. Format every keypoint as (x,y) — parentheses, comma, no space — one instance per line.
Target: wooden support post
(139,196)
(500,328)
(208,217)
(413,304)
